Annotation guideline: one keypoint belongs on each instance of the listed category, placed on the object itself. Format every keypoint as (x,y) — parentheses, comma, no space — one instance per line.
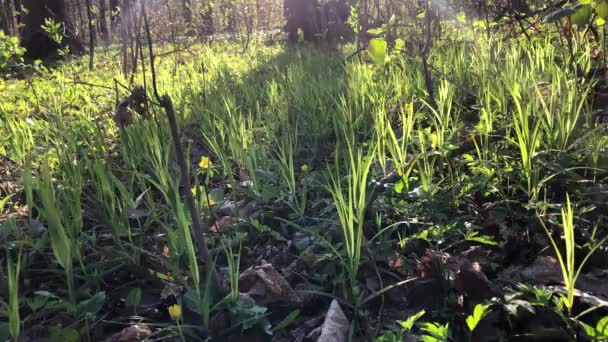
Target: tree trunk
(37,42)
(114,16)
(187,8)
(300,14)
(6,17)
(18,16)
(124,33)
(91,34)
(103,24)
(207,18)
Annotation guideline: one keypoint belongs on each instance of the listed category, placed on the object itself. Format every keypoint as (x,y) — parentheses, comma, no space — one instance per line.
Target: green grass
(302,133)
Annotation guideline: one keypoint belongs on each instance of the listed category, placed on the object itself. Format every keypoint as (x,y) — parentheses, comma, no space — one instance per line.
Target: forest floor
(338,202)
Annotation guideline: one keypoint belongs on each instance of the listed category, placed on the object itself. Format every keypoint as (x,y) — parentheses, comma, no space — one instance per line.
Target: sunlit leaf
(409,323)
(479,312)
(377,50)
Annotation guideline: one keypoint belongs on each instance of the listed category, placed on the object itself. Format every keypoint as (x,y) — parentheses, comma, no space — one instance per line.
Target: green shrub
(10,52)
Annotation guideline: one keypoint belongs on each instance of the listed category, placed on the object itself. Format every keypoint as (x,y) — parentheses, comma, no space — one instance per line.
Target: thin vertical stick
(167,104)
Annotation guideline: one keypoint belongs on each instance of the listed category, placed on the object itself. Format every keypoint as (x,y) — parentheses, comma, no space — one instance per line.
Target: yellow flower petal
(205,163)
(175,311)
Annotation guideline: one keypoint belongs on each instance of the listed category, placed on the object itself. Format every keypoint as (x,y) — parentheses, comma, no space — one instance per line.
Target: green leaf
(400,185)
(479,312)
(376,32)
(602,327)
(134,297)
(485,239)
(559,14)
(287,320)
(461,17)
(389,337)
(438,332)
(409,323)
(377,50)
(60,334)
(582,15)
(92,305)
(589,330)
(399,44)
(602,11)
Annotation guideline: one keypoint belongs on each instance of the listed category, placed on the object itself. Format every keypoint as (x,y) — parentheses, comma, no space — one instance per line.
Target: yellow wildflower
(304,168)
(175,311)
(201,190)
(205,163)
(209,202)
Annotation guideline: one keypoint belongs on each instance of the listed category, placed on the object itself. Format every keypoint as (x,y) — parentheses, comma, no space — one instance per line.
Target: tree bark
(187,8)
(91,34)
(124,33)
(103,24)
(17,5)
(300,14)
(6,17)
(114,16)
(207,18)
(37,42)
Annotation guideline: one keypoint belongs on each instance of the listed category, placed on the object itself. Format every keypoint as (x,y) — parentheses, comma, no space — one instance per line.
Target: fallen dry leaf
(134,333)
(335,327)
(267,286)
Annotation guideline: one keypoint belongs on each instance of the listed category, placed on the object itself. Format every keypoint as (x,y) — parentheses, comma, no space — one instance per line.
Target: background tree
(114,15)
(38,42)
(103,23)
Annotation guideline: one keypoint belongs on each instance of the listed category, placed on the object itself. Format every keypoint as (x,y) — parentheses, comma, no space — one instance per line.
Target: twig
(167,104)
(425,53)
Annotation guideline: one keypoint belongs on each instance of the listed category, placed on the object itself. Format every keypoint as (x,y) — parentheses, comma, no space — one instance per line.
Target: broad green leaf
(582,15)
(602,327)
(602,11)
(559,14)
(479,312)
(399,44)
(438,332)
(377,50)
(409,323)
(589,330)
(92,305)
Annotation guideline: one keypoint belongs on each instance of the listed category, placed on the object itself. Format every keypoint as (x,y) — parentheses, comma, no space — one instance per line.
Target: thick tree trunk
(187,9)
(124,34)
(114,15)
(17,5)
(91,34)
(207,18)
(103,23)
(34,39)
(6,17)
(300,14)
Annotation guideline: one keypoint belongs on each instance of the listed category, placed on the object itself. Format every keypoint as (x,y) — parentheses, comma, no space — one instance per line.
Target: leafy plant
(351,205)
(479,312)
(570,271)
(435,332)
